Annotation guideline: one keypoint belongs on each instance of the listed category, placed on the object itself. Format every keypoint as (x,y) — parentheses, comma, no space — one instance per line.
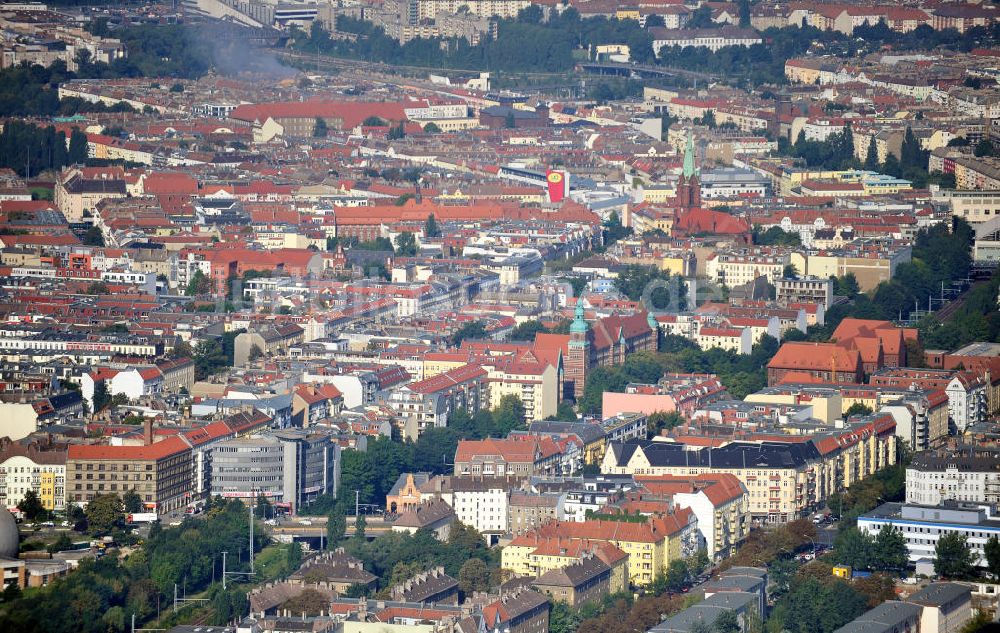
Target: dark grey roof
(866,626)
(585,431)
(731,599)
(940,593)
(425,586)
(575,574)
(892,613)
(885,618)
(759,572)
(425,515)
(729,583)
(689,618)
(732,455)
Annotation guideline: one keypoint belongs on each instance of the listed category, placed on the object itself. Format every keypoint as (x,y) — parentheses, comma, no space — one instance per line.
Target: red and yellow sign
(557,185)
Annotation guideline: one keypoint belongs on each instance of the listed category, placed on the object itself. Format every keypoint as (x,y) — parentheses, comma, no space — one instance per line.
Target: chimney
(147,431)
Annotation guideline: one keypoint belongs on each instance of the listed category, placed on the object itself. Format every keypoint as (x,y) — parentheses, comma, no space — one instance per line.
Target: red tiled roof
(155,451)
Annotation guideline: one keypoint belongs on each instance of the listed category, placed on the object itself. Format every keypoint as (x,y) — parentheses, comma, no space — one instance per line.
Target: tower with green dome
(578,358)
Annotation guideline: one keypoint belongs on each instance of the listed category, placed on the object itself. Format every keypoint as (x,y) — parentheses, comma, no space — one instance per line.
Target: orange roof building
(829,362)
(159,472)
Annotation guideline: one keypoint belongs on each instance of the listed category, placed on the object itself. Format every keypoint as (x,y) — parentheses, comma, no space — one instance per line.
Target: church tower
(579,352)
(689,184)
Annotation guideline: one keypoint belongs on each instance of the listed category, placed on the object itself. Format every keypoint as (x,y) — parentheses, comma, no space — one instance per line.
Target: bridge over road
(643,70)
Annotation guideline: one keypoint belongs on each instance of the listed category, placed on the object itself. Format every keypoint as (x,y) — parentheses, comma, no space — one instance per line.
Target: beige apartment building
(159,472)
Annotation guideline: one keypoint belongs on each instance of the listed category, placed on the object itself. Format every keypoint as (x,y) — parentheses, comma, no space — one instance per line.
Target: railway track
(953,306)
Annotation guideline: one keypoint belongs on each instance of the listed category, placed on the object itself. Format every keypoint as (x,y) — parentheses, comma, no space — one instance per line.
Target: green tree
(396,132)
(677,575)
(854,548)
(104,512)
(474,576)
(199,284)
(858,408)
(61,544)
(357,590)
(701,18)
(532,14)
(790,271)
(373,121)
(633,280)
(871,157)
(432,128)
(911,154)
(812,607)
(262,507)
(527,330)
(31,506)
(614,230)
(562,618)
(846,286)
(308,601)
(336,528)
(565,412)
(509,122)
(78,149)
(658,421)
(360,523)
(293,558)
(470,330)
(320,129)
(431,228)
(406,244)
(101,396)
(984,148)
(953,558)
(992,551)
(509,414)
(890,551)
(132,502)
(699,562)
(727,622)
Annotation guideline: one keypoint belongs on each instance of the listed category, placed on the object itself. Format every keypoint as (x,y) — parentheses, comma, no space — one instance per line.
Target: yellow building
(650,545)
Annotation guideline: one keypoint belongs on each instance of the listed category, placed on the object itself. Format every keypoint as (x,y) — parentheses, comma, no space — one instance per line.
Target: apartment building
(159,472)
(427,403)
(735,268)
(804,290)
(970,474)
(521,457)
(36,468)
(482,502)
(719,501)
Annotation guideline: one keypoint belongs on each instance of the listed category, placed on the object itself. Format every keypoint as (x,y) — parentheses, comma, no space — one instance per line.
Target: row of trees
(885,551)
(30,150)
(654,285)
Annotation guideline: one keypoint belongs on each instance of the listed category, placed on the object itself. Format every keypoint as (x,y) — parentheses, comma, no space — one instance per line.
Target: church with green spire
(689,184)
